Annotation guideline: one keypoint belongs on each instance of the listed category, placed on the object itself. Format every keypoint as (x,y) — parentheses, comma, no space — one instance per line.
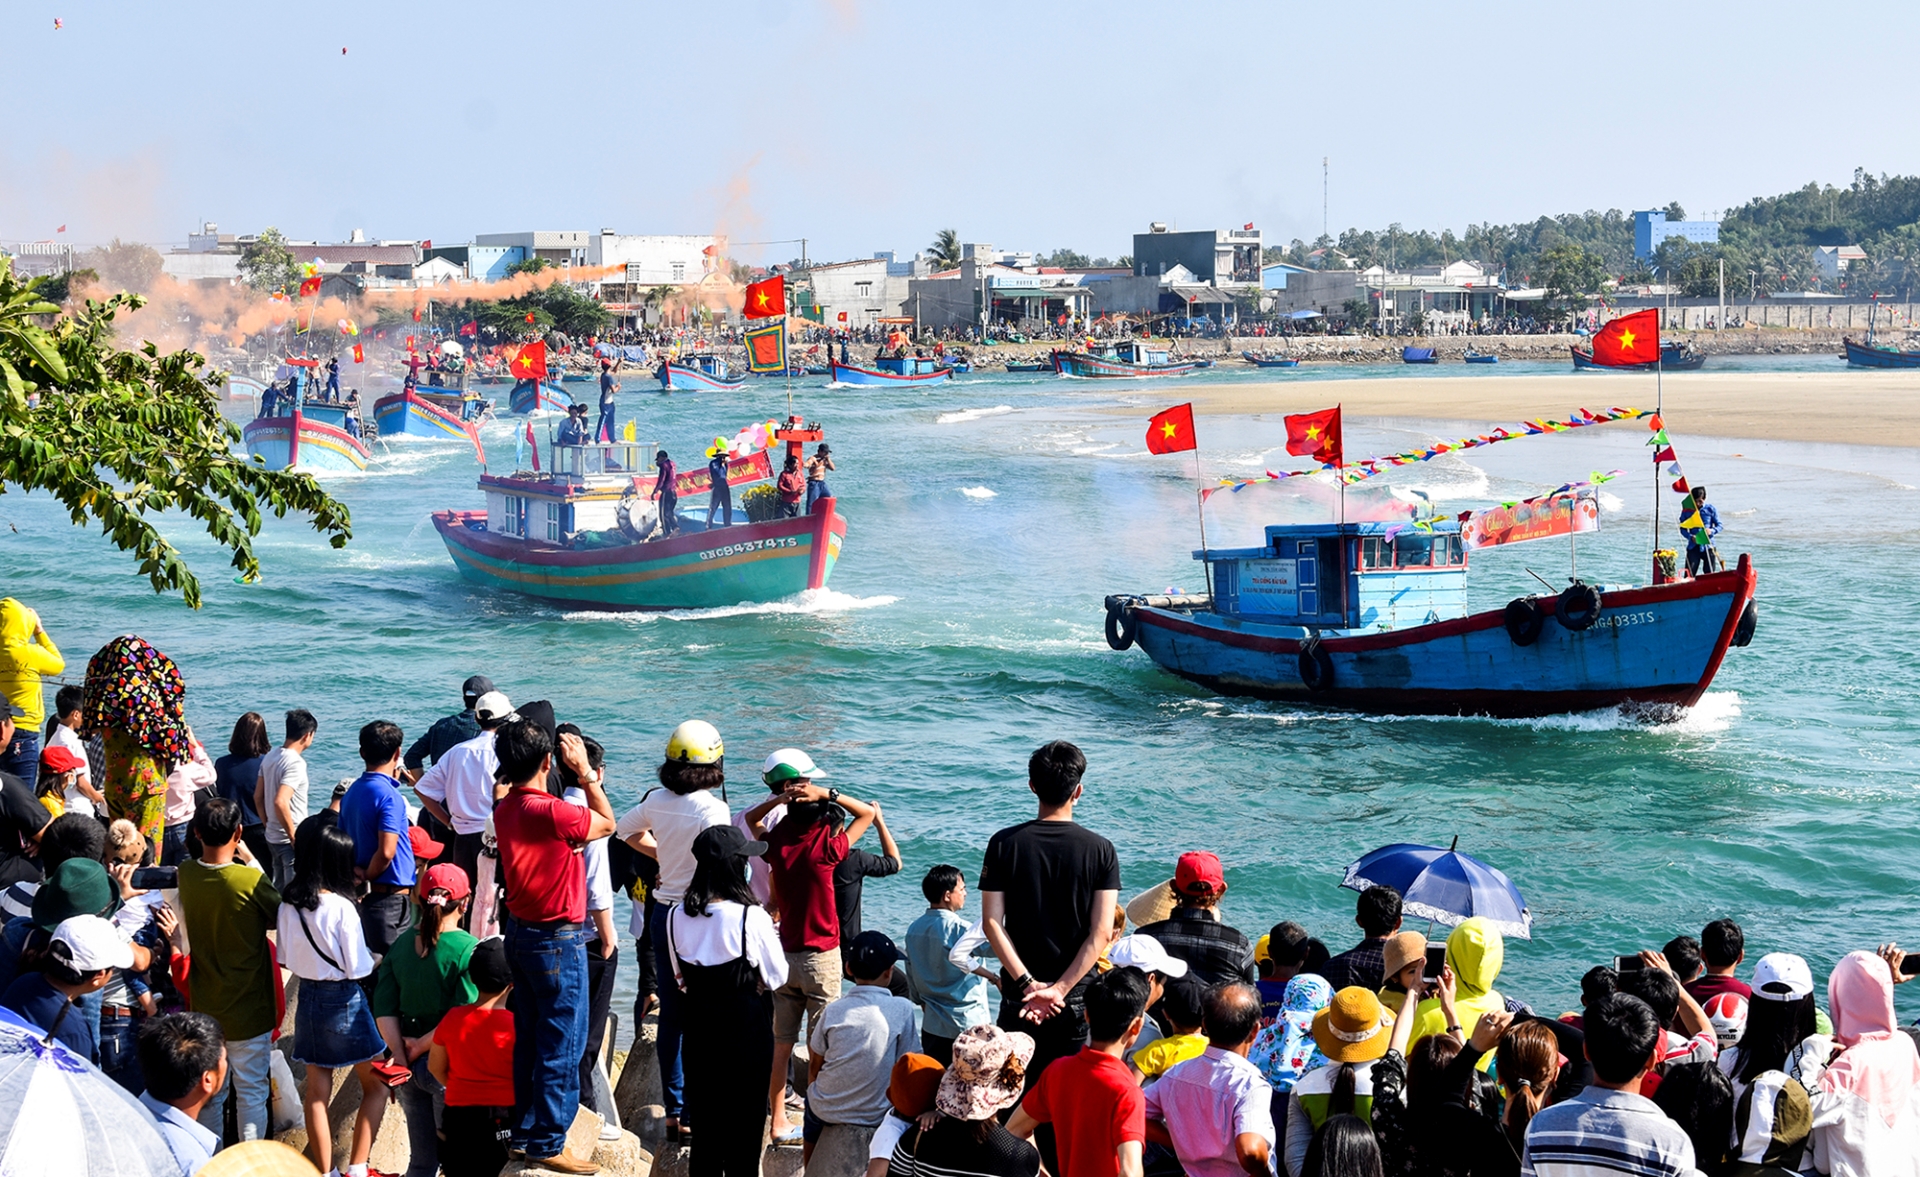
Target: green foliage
(58,288)
(945,250)
(268,264)
(556,307)
(530,265)
(1066,258)
(761,503)
(1573,273)
(125,265)
(120,436)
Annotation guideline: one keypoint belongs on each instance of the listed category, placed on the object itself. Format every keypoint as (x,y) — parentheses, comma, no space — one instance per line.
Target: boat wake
(971,415)
(811,601)
(977,492)
(1715,713)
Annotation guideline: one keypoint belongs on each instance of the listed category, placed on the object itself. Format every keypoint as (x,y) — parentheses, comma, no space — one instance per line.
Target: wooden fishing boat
(1355,615)
(1260,361)
(529,398)
(428,412)
(1419,355)
(893,370)
(294,433)
(1125,359)
(1876,355)
(584,533)
(697,373)
(1480,357)
(1674,357)
(1029,366)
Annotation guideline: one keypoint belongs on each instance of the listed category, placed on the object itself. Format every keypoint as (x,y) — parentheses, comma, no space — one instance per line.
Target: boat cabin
(1138,352)
(706,362)
(907,365)
(1352,576)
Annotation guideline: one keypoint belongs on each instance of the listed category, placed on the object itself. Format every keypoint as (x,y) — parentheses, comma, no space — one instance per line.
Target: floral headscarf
(134,688)
(1285,1050)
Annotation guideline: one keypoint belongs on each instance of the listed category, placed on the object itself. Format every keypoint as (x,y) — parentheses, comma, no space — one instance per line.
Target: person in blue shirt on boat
(333,379)
(574,432)
(663,489)
(1700,554)
(603,429)
(720,495)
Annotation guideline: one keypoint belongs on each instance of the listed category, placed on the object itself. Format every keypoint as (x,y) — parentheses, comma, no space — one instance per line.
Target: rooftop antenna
(1324,171)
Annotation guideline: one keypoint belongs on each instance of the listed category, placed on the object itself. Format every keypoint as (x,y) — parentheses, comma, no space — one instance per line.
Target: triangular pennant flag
(1659,439)
(1664,454)
(1692,521)
(1680,487)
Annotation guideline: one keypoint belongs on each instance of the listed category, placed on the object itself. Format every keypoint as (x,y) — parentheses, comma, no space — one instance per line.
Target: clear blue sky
(864,125)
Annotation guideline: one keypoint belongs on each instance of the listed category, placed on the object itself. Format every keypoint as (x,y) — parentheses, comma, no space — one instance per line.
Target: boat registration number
(750,546)
(1616,620)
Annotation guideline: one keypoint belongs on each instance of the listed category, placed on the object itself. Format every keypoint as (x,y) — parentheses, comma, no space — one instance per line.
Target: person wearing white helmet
(663,827)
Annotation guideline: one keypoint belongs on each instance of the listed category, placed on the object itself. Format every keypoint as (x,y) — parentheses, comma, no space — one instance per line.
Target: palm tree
(945,250)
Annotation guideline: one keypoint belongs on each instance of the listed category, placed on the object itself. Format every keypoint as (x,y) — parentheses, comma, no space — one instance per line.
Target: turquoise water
(989,517)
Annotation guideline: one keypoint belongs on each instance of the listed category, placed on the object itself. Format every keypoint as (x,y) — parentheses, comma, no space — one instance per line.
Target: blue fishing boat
(292,432)
(957,366)
(1124,359)
(1029,366)
(1878,355)
(1260,361)
(1373,616)
(430,412)
(697,373)
(1674,357)
(528,398)
(893,370)
(1419,355)
(1480,357)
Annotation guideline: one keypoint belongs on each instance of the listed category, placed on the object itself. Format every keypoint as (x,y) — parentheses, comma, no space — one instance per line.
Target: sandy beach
(1846,406)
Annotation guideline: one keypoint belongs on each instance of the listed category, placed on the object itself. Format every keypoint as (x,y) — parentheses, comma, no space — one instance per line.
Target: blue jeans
(550,1031)
(424,1102)
(119,1061)
(816,490)
(22,757)
(248,1067)
(673,1080)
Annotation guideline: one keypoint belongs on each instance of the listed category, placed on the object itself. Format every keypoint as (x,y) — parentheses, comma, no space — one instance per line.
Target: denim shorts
(333,1025)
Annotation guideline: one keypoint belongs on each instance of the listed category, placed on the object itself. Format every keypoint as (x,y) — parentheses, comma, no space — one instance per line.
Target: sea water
(987,519)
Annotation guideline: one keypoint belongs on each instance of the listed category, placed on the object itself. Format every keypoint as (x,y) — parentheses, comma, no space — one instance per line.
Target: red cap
(61,759)
(425,849)
(448,878)
(1198,872)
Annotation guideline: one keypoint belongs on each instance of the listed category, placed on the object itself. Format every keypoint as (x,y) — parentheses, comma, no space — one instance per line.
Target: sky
(865,126)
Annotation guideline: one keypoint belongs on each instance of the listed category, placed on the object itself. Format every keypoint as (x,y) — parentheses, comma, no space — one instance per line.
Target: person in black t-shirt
(849,878)
(1048,888)
(22,817)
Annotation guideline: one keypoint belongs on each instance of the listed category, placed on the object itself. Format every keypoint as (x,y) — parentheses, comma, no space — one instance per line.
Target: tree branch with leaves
(120,436)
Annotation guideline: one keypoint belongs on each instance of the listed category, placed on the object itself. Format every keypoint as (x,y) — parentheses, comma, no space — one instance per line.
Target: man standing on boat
(603,429)
(333,379)
(720,496)
(817,467)
(1700,531)
(663,489)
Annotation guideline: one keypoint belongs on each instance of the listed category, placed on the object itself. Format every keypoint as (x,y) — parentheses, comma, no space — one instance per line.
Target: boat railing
(578,463)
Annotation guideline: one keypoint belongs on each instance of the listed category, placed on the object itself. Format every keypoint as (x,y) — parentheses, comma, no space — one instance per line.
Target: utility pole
(1324,172)
(1722,320)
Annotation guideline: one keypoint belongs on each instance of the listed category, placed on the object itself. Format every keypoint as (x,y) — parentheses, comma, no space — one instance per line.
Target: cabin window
(1309,602)
(1413,549)
(553,522)
(1447,551)
(863,290)
(516,515)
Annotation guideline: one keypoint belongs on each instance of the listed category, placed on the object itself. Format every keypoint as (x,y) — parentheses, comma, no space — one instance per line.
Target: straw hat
(989,1072)
(1401,950)
(1352,1029)
(258,1158)
(1152,905)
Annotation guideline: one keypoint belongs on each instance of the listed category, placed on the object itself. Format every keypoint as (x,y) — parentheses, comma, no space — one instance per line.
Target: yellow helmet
(695,742)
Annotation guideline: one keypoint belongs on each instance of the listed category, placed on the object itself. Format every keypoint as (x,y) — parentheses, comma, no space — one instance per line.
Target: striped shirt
(950,1150)
(1600,1132)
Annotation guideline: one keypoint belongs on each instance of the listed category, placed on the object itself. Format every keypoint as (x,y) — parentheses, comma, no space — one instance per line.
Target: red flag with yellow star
(1172,431)
(531,363)
(767,298)
(1628,340)
(1315,434)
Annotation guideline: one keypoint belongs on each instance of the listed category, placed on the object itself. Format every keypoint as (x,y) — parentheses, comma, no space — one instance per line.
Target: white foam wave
(963,415)
(810,601)
(977,492)
(1715,713)
(1610,502)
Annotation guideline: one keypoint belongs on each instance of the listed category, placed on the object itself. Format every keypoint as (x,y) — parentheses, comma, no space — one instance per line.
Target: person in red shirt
(542,868)
(802,851)
(472,1057)
(1098,1112)
(1723,946)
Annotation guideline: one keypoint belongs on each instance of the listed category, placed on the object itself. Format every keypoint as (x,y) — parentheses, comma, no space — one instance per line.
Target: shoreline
(1844,406)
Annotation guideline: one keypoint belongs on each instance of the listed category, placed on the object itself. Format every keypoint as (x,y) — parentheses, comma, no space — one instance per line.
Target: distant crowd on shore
(461,960)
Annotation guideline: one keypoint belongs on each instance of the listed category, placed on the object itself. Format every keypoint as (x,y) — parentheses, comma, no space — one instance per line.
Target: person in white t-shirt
(280,796)
(459,790)
(663,826)
(64,732)
(321,942)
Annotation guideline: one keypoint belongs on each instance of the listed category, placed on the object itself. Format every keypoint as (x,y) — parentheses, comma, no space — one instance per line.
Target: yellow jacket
(1475,952)
(23,660)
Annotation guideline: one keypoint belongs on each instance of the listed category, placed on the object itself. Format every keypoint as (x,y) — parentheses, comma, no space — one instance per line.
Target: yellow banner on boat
(767,348)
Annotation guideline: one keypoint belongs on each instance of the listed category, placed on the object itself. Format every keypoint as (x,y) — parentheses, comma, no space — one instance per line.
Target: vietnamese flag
(309,286)
(1629,339)
(767,298)
(531,363)
(1316,435)
(1172,431)
(359,354)
(470,329)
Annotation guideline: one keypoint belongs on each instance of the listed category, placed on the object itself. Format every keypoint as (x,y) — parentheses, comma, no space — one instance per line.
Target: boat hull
(1474,357)
(407,414)
(848,374)
(1651,647)
(1672,362)
(299,443)
(550,399)
(693,570)
(1080,364)
(680,378)
(1859,355)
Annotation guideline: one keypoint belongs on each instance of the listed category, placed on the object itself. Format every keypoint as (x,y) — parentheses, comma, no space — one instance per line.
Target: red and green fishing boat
(585,532)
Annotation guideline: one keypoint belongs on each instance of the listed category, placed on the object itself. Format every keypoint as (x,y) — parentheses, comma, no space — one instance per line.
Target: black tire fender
(1316,666)
(1743,629)
(1122,627)
(1524,620)
(1579,606)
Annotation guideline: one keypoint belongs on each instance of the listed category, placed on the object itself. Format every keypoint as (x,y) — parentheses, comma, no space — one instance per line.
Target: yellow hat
(695,742)
(1353,1029)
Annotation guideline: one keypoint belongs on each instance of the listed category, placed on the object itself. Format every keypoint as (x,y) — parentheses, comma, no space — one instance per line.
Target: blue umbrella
(59,1115)
(1444,886)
